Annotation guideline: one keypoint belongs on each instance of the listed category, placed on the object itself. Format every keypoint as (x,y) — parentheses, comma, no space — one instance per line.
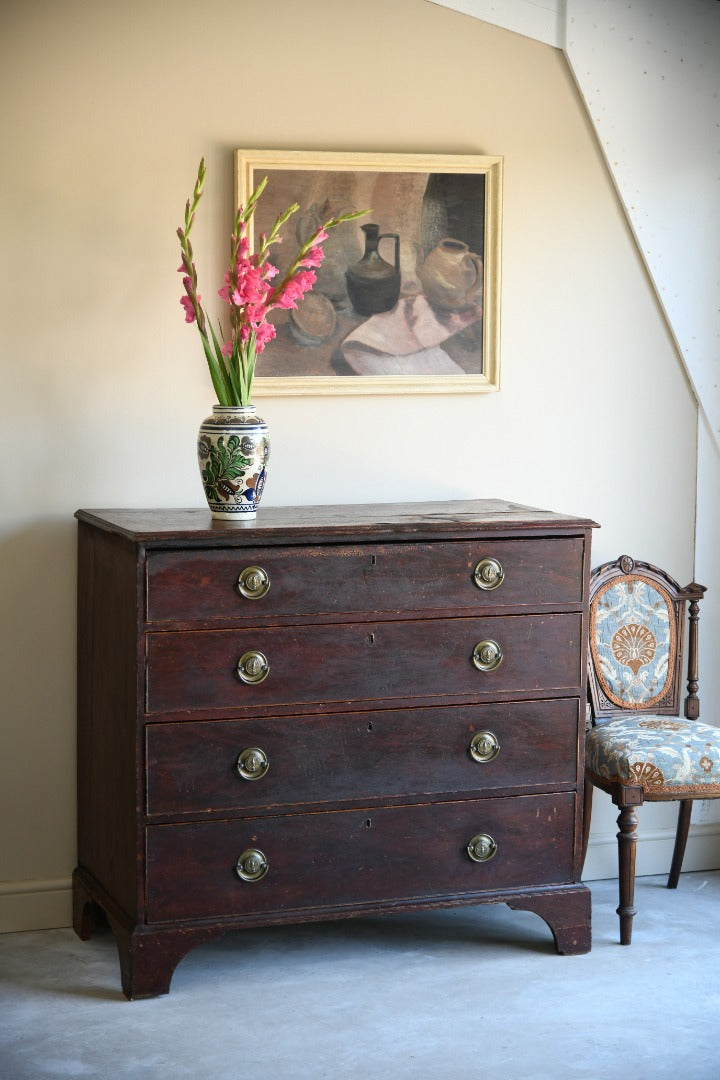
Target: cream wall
(106,109)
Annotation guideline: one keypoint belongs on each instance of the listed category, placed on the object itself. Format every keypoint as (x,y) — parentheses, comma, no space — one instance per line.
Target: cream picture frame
(434,229)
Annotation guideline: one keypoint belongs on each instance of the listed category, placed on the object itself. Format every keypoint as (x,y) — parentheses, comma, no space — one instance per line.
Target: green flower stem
(218,370)
(273,237)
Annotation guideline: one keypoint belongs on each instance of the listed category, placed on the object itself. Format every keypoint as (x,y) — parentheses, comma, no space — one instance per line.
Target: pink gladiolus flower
(189,308)
(314,257)
(224,293)
(264,334)
(227,349)
(250,287)
(289,296)
(247,292)
(305,279)
(256,313)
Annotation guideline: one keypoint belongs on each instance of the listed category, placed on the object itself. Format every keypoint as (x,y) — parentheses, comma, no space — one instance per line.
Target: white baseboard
(654,853)
(47,904)
(35,905)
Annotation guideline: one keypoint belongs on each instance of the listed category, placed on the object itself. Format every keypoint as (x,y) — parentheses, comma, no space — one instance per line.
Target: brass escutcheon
(253,582)
(487,655)
(252,667)
(489,574)
(252,763)
(484,747)
(252,865)
(481,848)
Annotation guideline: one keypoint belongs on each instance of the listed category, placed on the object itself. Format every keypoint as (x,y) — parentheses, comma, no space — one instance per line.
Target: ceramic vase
(233,453)
(452,276)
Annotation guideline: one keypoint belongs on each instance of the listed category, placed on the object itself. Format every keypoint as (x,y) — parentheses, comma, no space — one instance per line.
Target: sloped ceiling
(649,73)
(543,20)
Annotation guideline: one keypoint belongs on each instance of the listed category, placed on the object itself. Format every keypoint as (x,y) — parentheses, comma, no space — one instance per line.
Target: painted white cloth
(407,340)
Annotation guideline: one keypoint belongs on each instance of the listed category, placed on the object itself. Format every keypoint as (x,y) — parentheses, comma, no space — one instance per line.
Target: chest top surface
(304,524)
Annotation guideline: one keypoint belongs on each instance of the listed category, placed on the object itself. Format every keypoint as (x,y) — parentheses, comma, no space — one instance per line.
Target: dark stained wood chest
(334,711)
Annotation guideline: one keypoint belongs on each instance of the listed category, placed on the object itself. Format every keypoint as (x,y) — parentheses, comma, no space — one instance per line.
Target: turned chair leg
(627,843)
(587,816)
(683,827)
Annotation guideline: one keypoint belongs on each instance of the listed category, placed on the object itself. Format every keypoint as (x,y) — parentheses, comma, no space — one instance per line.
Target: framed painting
(407,299)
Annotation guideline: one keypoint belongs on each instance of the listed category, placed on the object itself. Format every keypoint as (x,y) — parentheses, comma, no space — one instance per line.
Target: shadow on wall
(37,723)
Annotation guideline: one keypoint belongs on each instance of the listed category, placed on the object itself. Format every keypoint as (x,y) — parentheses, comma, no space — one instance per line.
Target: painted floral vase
(233,453)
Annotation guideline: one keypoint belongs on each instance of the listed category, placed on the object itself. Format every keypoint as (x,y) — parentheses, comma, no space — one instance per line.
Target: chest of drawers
(336,711)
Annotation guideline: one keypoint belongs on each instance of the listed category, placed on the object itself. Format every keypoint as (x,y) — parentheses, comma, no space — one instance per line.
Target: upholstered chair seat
(661,754)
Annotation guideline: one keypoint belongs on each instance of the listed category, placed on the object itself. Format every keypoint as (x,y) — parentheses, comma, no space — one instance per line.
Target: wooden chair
(639,749)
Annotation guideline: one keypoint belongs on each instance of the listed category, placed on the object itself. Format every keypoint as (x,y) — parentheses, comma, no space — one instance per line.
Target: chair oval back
(636,637)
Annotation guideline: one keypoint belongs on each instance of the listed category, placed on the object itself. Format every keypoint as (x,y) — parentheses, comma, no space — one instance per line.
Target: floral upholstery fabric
(632,639)
(661,754)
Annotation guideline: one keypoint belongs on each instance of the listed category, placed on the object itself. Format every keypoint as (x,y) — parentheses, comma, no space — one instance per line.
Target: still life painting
(407,298)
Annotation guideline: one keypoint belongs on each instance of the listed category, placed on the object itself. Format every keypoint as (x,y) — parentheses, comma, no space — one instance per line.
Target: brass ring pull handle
(252,763)
(252,865)
(253,667)
(487,655)
(481,848)
(489,574)
(484,747)
(253,583)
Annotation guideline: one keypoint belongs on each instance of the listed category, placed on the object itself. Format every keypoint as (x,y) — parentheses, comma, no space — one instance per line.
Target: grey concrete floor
(466,994)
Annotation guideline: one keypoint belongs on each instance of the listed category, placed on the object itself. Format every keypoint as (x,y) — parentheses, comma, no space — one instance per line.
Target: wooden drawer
(364,661)
(203,585)
(332,860)
(191,767)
